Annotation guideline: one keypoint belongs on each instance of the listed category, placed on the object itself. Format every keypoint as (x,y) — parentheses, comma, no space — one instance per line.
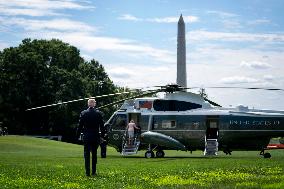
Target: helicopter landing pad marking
(115,136)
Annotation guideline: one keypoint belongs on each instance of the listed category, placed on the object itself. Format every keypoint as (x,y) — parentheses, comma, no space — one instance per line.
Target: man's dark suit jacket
(91,123)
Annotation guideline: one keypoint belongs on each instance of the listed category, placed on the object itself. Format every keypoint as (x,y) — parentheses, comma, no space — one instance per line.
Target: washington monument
(181,54)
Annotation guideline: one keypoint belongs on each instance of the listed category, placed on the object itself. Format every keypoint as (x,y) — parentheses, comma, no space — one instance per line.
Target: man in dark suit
(103,145)
(90,124)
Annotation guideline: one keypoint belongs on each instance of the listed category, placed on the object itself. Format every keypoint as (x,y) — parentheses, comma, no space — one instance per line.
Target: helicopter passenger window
(144,122)
(174,105)
(119,121)
(168,124)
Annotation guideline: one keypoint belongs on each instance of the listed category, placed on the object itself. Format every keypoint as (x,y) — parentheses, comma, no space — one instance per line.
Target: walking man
(90,124)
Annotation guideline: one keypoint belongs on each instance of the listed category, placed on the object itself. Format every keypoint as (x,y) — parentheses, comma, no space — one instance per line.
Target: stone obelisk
(181,54)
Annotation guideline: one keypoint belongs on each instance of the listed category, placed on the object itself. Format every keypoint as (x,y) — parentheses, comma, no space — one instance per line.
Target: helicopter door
(135,116)
(131,144)
(212,124)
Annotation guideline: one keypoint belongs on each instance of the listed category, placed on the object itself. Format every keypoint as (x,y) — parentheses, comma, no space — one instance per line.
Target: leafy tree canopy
(40,72)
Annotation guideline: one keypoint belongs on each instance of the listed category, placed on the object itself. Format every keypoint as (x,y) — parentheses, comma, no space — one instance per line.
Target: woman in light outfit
(130,128)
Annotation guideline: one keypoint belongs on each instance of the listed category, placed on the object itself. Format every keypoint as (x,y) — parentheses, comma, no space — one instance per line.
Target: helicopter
(187,121)
(182,120)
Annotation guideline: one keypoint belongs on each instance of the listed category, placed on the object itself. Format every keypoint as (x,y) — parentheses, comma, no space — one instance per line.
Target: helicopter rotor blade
(250,88)
(170,88)
(257,88)
(77,100)
(211,102)
(149,92)
(253,88)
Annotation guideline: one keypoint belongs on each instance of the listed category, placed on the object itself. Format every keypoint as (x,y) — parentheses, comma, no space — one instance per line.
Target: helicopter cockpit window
(174,105)
(119,121)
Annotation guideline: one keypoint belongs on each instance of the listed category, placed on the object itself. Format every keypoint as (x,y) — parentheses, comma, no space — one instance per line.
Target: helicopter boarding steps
(211,147)
(129,149)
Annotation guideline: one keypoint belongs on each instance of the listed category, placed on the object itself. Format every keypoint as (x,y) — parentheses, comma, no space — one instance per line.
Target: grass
(27,162)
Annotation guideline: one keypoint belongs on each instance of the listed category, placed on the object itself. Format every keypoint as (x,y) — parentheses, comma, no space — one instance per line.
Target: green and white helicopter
(186,121)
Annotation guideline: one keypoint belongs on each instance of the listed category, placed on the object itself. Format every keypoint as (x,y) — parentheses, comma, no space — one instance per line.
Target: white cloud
(222,14)
(129,17)
(187,19)
(140,76)
(268,78)
(238,80)
(90,43)
(200,35)
(54,24)
(220,65)
(258,99)
(39,7)
(44,4)
(229,20)
(255,64)
(259,22)
(232,24)
(27,12)
(121,72)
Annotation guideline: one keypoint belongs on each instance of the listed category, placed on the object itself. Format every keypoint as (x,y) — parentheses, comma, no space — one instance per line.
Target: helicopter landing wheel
(261,152)
(160,154)
(267,155)
(149,154)
(227,151)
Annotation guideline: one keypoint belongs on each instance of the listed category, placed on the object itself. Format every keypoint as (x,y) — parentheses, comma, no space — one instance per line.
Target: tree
(40,72)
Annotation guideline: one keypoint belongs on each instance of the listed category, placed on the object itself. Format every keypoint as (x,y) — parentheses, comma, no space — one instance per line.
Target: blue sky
(229,43)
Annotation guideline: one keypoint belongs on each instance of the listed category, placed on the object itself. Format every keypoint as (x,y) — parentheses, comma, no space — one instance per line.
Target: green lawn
(27,162)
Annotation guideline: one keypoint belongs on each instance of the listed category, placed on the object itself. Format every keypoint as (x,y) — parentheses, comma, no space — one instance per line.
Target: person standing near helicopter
(103,144)
(90,124)
(130,129)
